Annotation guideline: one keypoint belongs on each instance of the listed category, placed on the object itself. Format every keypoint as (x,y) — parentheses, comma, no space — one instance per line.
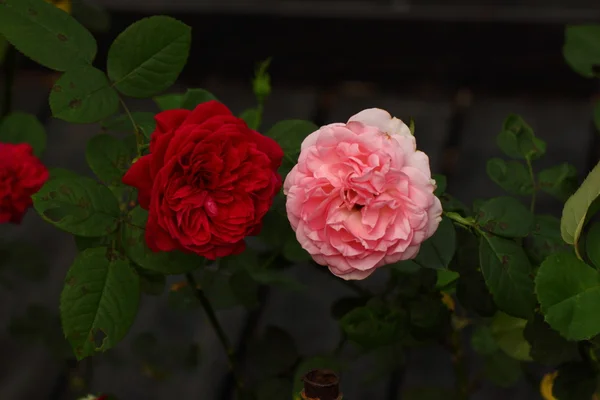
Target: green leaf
(108,157)
(194,97)
(441,183)
(437,251)
(4,46)
(373,326)
(19,127)
(508,334)
(148,56)
(502,370)
(80,206)
(582,49)
(507,273)
(569,293)
(82,242)
(474,295)
(512,176)
(83,95)
(62,173)
(505,216)
(545,238)
(559,181)
(575,381)
(344,305)
(122,123)
(517,140)
(309,364)
(592,244)
(426,312)
(169,101)
(273,353)
(289,135)
(92,16)
(483,341)
(99,301)
(172,262)
(576,208)
(407,266)
(293,251)
(548,347)
(252,117)
(151,283)
(445,277)
(46,34)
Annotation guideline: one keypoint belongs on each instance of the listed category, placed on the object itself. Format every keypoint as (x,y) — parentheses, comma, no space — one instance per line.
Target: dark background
(457,67)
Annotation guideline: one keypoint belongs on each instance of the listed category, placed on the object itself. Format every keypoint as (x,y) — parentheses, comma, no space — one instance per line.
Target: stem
(460,220)
(212,317)
(10,63)
(533,184)
(139,140)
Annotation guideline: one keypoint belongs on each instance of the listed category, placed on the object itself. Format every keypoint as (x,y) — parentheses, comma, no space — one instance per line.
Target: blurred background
(458,67)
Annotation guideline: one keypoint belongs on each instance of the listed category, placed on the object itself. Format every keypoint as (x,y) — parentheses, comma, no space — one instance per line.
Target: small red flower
(207,183)
(21,175)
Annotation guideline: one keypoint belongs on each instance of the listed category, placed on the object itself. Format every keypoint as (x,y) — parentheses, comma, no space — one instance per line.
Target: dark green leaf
(80,206)
(466,258)
(194,97)
(517,140)
(293,251)
(143,120)
(559,181)
(169,101)
(545,238)
(273,353)
(592,244)
(252,117)
(502,370)
(575,381)
(309,364)
(473,294)
(441,182)
(147,57)
(91,15)
(4,46)
(99,301)
(83,95)
(374,326)
(45,34)
(508,334)
(511,176)
(173,262)
(452,204)
(151,283)
(505,216)
(569,293)
(582,49)
(507,273)
(445,277)
(108,157)
(83,242)
(290,134)
(62,173)
(437,251)
(20,127)
(344,305)
(426,314)
(483,341)
(407,266)
(547,346)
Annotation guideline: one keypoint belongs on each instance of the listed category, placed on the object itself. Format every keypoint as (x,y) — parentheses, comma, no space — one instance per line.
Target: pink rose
(361,195)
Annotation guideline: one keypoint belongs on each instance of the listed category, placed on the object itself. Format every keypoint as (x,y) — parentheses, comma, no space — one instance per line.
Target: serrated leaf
(576,208)
(507,273)
(91,15)
(194,97)
(505,216)
(548,347)
(569,292)
(437,251)
(80,206)
(99,301)
(512,176)
(582,49)
(508,334)
(172,262)
(108,157)
(83,95)
(19,127)
(592,244)
(143,120)
(148,56)
(559,181)
(545,238)
(46,34)
(517,140)
(169,101)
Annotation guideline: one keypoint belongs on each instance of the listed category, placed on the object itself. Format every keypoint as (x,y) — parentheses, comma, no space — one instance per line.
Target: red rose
(207,182)
(21,175)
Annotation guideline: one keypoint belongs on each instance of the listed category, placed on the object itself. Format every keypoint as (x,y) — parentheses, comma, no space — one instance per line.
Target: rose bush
(361,195)
(21,175)
(207,182)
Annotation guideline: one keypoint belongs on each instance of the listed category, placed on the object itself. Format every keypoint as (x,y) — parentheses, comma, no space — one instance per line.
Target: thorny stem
(212,317)
(532,176)
(9,77)
(138,135)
